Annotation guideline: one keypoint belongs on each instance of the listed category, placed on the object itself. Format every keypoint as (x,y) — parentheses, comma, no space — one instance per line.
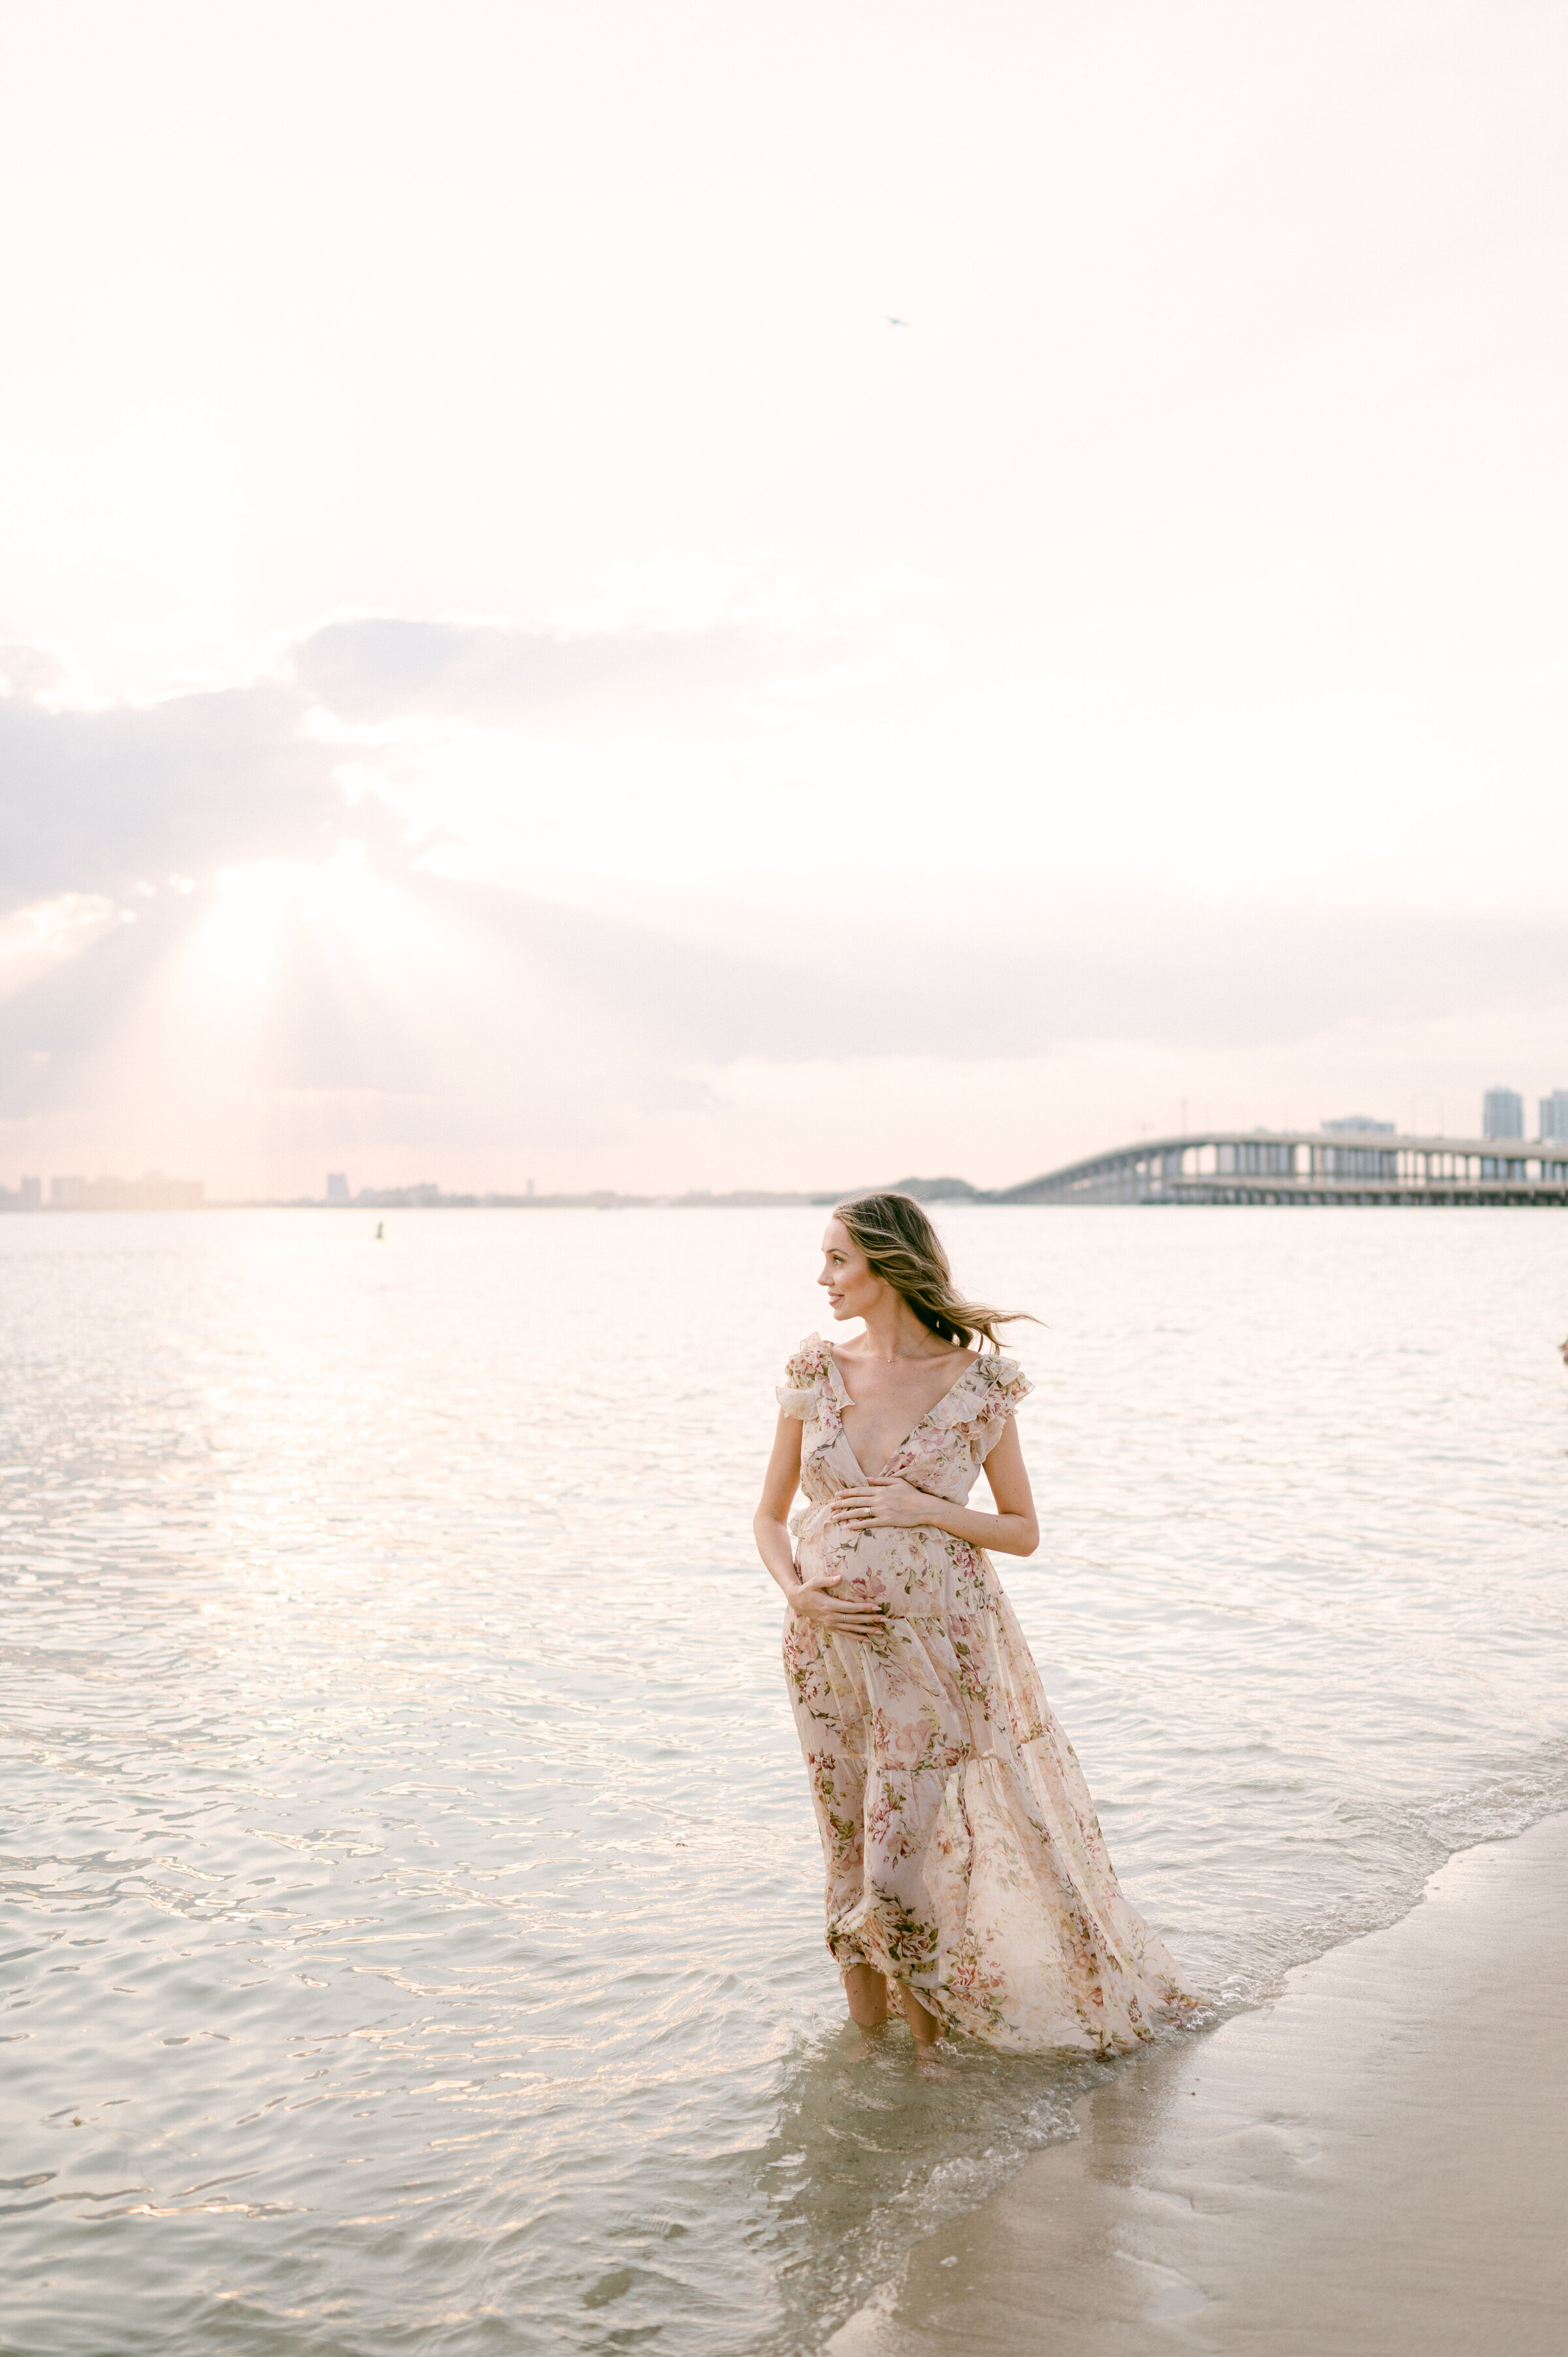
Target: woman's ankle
(925,2028)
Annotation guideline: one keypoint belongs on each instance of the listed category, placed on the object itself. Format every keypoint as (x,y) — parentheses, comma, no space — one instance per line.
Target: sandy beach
(1376,2162)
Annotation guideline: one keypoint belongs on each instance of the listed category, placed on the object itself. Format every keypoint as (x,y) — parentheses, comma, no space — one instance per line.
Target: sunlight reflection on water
(412,1904)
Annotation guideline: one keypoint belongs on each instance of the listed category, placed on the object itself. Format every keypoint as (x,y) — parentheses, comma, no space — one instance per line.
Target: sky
(663,594)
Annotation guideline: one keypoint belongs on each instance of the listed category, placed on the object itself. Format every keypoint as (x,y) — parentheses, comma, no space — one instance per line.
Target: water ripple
(410,1912)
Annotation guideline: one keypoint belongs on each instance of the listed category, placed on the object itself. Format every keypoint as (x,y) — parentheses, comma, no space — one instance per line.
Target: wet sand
(1375,2164)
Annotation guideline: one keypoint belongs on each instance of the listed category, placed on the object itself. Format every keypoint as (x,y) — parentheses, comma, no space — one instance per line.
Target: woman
(965,1866)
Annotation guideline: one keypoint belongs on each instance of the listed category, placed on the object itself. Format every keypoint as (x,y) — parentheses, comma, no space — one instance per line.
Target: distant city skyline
(152,1192)
(1502,1122)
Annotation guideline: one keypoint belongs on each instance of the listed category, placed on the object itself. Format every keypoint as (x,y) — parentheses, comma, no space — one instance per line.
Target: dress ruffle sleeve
(989,1395)
(798,1394)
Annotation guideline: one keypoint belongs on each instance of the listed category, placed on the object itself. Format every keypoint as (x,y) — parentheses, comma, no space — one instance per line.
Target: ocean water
(411,1911)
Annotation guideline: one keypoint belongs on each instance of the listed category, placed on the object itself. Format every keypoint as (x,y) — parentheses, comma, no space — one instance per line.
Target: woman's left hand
(884,1505)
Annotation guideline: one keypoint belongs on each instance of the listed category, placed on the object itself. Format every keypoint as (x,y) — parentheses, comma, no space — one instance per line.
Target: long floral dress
(963,1856)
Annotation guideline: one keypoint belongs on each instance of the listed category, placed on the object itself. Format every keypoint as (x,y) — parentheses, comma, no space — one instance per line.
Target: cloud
(317,991)
(104,798)
(372,668)
(34,940)
(99,801)
(27,668)
(406,985)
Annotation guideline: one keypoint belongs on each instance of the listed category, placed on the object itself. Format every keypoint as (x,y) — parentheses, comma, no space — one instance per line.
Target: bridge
(1281,1166)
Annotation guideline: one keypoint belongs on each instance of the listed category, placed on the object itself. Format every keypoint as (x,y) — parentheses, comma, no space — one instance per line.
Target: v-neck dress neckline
(845,1399)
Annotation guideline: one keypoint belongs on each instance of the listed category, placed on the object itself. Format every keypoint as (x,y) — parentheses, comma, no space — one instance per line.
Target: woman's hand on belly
(885,1504)
(837,1616)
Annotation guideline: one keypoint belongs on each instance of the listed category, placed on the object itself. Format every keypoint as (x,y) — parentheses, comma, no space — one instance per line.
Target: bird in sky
(896,323)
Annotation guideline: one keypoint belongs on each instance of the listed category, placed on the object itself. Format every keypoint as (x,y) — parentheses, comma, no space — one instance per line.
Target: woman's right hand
(838,1616)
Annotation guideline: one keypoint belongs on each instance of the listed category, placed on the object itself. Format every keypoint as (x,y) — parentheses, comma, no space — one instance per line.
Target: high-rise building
(337,1186)
(1554,1116)
(1502,1113)
(32,1194)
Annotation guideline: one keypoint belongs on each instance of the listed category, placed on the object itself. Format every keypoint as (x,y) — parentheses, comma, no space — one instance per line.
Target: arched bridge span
(1233,1165)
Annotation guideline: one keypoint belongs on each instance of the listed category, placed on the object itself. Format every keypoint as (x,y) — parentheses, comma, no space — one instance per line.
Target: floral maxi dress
(963,1857)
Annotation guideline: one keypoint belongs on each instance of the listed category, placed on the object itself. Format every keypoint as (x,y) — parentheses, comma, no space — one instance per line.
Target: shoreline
(1372,2161)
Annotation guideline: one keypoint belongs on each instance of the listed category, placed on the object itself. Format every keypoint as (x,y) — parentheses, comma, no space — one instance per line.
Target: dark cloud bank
(100,801)
(104,801)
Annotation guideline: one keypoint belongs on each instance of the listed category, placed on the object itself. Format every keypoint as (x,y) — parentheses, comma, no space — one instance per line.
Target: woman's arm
(895,1505)
(771,1520)
(840,1616)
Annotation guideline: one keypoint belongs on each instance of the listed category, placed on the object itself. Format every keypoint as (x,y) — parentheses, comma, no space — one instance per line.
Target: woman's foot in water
(866,1993)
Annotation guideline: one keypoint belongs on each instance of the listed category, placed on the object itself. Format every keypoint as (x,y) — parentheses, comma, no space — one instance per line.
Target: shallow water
(412,1911)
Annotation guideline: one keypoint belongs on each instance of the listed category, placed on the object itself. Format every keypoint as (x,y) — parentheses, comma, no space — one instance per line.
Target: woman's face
(852,1289)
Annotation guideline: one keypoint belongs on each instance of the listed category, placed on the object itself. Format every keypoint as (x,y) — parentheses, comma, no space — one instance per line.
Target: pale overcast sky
(650,595)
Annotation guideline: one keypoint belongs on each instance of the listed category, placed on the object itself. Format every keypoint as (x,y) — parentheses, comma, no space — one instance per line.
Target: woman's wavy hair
(905,1251)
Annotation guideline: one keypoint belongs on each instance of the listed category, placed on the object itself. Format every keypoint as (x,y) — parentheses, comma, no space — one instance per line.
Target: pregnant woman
(965,1867)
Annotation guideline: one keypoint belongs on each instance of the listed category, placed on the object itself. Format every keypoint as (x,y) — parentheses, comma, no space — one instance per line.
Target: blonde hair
(901,1246)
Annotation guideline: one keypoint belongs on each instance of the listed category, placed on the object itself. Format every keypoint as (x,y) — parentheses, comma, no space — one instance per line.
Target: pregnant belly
(905,1572)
